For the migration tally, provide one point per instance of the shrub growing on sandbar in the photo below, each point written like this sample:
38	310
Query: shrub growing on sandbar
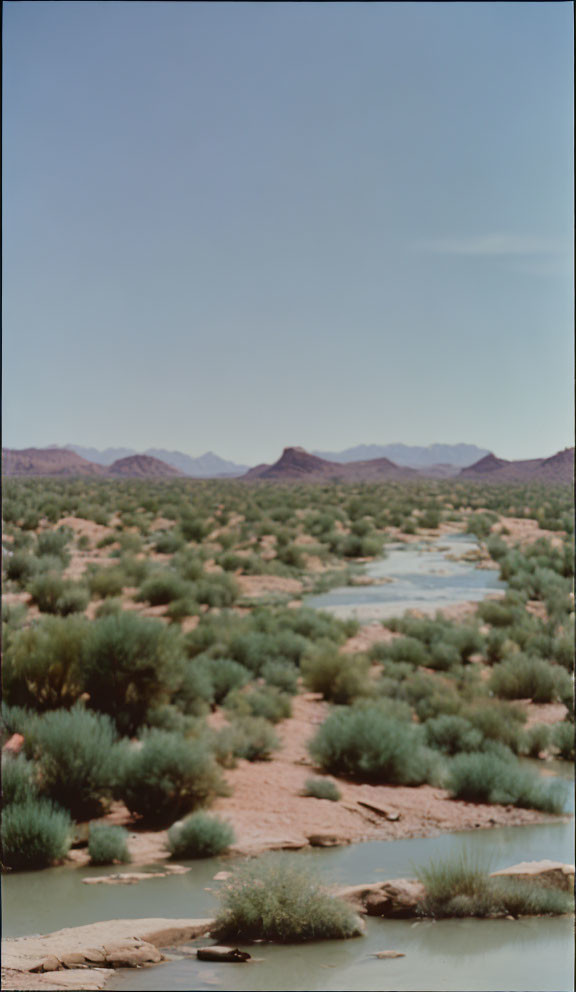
199	836
460	887
366	744
168	776
274	898
35	834
19	779
108	843
525	677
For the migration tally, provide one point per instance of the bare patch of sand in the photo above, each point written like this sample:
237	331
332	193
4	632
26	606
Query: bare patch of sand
261	585
524	531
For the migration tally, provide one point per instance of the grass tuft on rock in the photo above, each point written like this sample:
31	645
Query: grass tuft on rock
274	898
461	886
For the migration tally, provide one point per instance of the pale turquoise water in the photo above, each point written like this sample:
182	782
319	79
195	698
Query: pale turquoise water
420	577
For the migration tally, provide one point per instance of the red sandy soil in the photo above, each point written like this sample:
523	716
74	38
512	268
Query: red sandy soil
268	811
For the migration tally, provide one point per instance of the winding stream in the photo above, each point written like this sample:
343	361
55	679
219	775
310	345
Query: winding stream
530	955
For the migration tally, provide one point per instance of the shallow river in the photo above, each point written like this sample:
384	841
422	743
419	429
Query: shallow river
421	576
532	955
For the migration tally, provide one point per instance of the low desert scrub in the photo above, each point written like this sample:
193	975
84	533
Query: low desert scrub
168	776
53	594
76	751
35	834
452	734
223	674
19	780
322	788
536	740
274	898
108	844
163	587
563	740
43	664
525	677
489	777
282	675
199	836
249	737
266	702
105	582
340	678
366	744
461	887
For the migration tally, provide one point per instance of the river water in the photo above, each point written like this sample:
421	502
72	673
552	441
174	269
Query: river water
424	576
530	955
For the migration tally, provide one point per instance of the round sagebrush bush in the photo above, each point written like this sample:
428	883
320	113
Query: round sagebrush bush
525	677
451	734
339	677
43	663
35	834
366	744
131	664
563	740
199	836
108	844
282	675
19	779
275	898
77	754
163	587
322	788
224	674
267	702
168	776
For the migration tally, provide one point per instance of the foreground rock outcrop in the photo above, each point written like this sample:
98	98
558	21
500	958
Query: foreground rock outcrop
92	951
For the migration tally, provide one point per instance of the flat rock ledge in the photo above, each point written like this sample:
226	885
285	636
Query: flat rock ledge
398	898
83	957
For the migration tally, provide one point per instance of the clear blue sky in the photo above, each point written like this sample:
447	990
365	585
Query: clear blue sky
237	226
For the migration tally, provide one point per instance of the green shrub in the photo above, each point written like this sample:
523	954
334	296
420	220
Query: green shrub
365	744
43	664
130	665
322	788
19	780
35	834
452	734
72	599
563	740
223	674
461	887
274	898
489	778
525	677
339	677
20	567
497	721
268	703
108	844
77	754
168	542
248	737
216	590
282	675
53	542
162	588
105	582
46	590
407	649
167	777
199	836
536	740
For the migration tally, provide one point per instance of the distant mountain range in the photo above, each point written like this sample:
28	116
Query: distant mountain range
294	465
414	456
207	466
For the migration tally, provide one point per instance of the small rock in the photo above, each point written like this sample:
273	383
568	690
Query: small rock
221	876
218	953
326	840
389	954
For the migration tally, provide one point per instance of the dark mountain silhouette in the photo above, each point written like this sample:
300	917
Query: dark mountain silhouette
559	468
47	461
143	467
296	464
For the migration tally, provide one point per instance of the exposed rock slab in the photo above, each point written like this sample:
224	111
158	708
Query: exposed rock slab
109	944
552	874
